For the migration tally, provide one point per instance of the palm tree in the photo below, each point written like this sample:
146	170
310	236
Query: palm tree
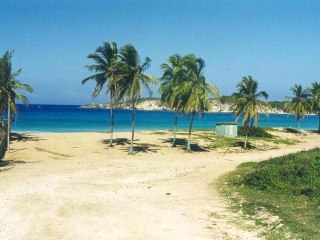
314	91
247	103
105	73
196	91
172	78
133	79
8	90
299	104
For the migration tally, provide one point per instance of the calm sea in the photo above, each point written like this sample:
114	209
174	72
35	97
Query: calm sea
62	118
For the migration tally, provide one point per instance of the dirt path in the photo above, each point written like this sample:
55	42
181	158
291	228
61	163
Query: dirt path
72	186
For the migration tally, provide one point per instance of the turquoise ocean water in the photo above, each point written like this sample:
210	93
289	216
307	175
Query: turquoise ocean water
66	118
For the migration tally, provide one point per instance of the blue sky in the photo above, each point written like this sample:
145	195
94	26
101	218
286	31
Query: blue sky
277	42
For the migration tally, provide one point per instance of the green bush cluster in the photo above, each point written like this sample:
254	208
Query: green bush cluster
297	174
253	132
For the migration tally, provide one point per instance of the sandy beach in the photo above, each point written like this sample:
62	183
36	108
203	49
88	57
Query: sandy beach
73	186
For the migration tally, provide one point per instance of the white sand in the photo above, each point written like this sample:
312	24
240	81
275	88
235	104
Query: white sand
72	186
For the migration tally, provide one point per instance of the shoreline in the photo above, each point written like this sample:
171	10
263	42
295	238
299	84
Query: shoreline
152	130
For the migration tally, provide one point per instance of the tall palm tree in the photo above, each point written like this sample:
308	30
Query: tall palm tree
170	88
8	90
314	91
133	79
105	73
299	104
196	91
248	103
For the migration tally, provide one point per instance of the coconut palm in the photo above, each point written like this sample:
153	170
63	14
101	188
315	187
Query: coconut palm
314	91
171	80
8	90
248	103
133	79
105	74
299	105
196	91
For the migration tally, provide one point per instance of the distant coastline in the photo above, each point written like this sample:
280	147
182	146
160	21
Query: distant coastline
154	104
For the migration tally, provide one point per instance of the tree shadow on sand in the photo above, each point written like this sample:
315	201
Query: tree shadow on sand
117	141
5	165
142	148
23	137
137	147
182	143
241	144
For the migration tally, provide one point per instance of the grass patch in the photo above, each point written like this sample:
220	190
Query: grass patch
276	140
281	195
211	141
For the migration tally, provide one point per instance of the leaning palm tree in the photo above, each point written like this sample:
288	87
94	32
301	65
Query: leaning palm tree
105	73
314	91
196	91
299	105
8	90
171	80
248	103
133	79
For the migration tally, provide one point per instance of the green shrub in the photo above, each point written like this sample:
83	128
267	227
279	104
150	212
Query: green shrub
288	187
297	174
253	132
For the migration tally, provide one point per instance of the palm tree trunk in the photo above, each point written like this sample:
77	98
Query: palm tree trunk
9	122
112	119
132	135
299	124
190	128
175	128
251	122
319	121
246	140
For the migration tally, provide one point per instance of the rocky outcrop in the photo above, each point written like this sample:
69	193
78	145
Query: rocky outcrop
154	104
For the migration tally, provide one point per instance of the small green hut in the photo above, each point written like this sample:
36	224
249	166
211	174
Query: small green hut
227	129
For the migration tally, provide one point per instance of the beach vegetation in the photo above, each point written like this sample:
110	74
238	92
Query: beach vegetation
10	87
281	195
184	88
248	104
196	91
105	75
279	105
299	104
260	140
171	94
133	79
253	132
227	99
